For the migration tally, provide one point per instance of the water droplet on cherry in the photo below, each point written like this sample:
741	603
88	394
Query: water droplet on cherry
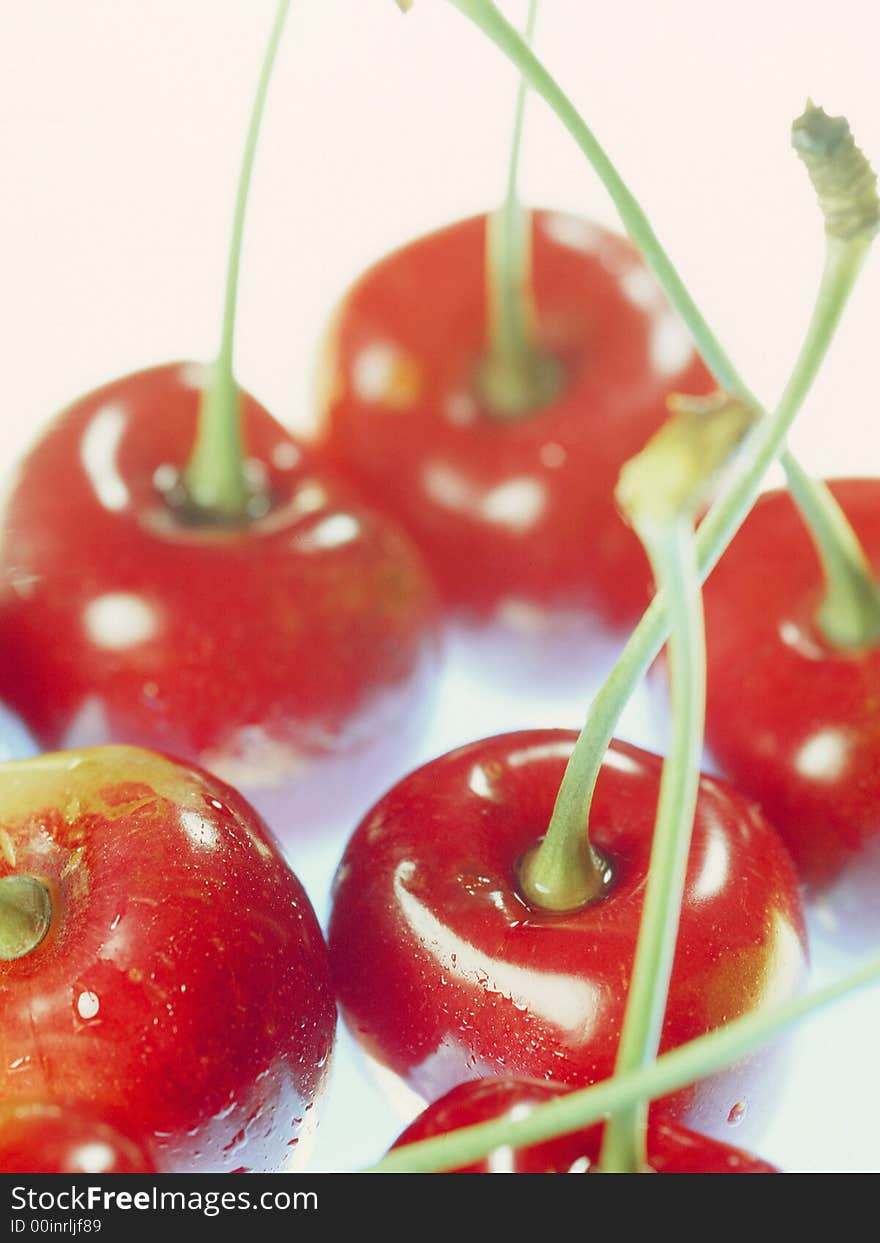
87	1005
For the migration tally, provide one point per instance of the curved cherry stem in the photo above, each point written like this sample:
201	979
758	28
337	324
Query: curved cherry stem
670	1072
560	849
673	555
550	868
850	614
215	475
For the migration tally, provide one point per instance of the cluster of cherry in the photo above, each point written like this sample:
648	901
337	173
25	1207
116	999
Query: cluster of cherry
181	577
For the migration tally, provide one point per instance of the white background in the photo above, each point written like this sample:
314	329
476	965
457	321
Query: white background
121	125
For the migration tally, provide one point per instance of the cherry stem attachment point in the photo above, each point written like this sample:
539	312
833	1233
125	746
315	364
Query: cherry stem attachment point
846	188
849	615
670	1072
25	915
215	476
565	876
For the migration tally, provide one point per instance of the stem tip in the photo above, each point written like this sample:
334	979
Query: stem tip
844	181
25	915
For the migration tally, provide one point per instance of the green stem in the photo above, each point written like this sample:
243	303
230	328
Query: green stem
484	14
669	1073
563	843
515	377
215	475
509	264
850	614
673	555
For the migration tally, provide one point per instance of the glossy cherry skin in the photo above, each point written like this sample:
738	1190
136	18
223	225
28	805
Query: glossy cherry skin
292	654
40	1138
792	720
516	517
182	988
445	973
671	1149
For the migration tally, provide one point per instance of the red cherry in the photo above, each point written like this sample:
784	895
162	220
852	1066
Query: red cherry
40	1138
296	648
445	973
182	987
671	1149
516	516
793	720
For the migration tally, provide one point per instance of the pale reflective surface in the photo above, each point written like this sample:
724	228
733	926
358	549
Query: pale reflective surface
15	741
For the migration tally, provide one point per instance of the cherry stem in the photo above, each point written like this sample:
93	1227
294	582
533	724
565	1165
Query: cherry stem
215	475
660	491
670	1072
515	377
672	550
850	613
571	812
562	848
25	915
509	262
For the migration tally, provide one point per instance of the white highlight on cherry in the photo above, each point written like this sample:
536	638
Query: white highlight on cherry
566	1001
800	641
194	375
120	620
552	455
199	830
541	751
823	757
309	498
87	1005
523	617
573	232
671	347
623	763
448	488
285	455
374	370
640	288
95	1158
480	783
98	449
517	504
502	1160
783	977
713	873
461	409
331	532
